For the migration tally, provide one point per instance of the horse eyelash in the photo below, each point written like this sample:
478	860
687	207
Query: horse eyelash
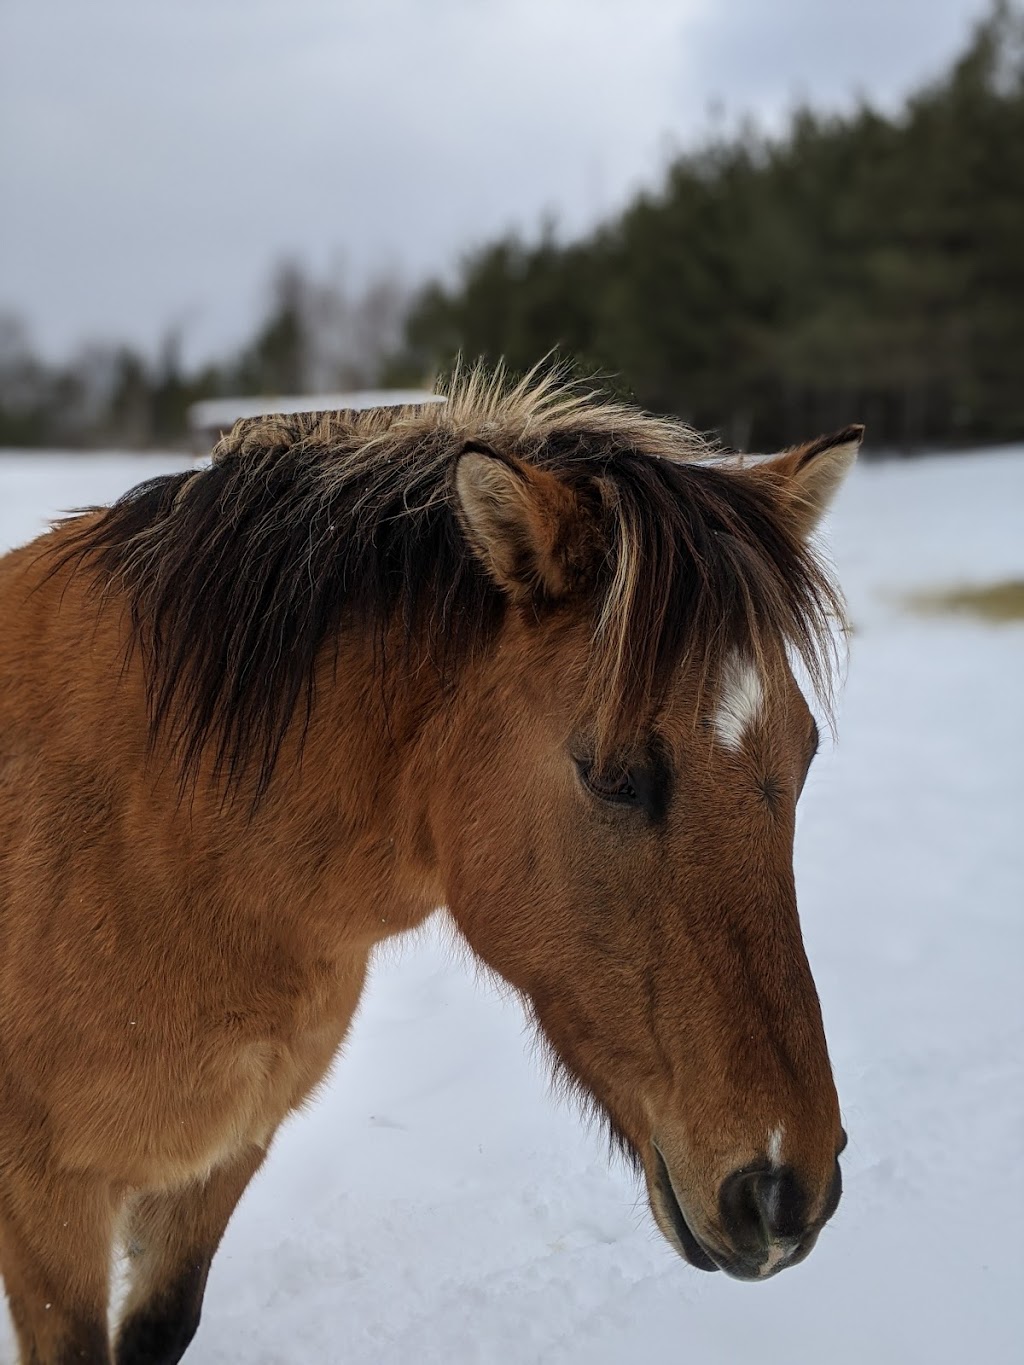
628	796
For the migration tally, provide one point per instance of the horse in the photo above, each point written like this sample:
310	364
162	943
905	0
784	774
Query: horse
530	655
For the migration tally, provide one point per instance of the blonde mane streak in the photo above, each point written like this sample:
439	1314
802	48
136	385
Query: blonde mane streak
480	404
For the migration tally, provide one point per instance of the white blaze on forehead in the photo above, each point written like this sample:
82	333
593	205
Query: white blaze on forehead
740	699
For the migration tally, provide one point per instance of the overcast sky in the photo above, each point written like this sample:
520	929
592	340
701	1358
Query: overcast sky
156	156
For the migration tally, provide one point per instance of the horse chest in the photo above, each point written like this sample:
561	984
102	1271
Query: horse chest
262	1062
209	1079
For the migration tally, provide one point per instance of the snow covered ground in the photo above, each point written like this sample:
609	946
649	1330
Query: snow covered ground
437	1205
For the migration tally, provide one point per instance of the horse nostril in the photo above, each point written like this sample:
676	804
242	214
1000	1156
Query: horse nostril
759	1207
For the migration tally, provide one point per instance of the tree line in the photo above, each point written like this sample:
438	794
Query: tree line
857	267
316	335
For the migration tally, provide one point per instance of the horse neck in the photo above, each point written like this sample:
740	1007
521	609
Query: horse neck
345	817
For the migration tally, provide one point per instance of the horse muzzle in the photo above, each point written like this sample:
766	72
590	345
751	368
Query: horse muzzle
760	1228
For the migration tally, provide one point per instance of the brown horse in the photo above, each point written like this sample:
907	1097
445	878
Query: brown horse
525	655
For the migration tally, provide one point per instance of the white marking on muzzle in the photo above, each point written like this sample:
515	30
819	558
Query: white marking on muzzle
780	1253
740	699
775	1137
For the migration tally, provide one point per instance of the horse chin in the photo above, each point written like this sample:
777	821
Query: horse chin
682	1235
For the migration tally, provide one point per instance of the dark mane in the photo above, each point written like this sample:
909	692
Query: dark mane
238	575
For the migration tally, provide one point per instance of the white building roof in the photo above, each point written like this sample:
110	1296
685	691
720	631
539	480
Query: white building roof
220	414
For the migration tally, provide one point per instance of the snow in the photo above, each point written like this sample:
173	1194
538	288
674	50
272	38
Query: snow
436	1204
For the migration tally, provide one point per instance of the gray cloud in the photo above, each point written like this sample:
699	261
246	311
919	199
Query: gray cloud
156	158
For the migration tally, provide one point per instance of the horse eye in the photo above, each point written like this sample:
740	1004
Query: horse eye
617	785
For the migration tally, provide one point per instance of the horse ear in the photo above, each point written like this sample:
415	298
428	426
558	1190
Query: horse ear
810	474
521	522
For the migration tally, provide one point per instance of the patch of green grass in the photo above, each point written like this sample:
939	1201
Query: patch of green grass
995	602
